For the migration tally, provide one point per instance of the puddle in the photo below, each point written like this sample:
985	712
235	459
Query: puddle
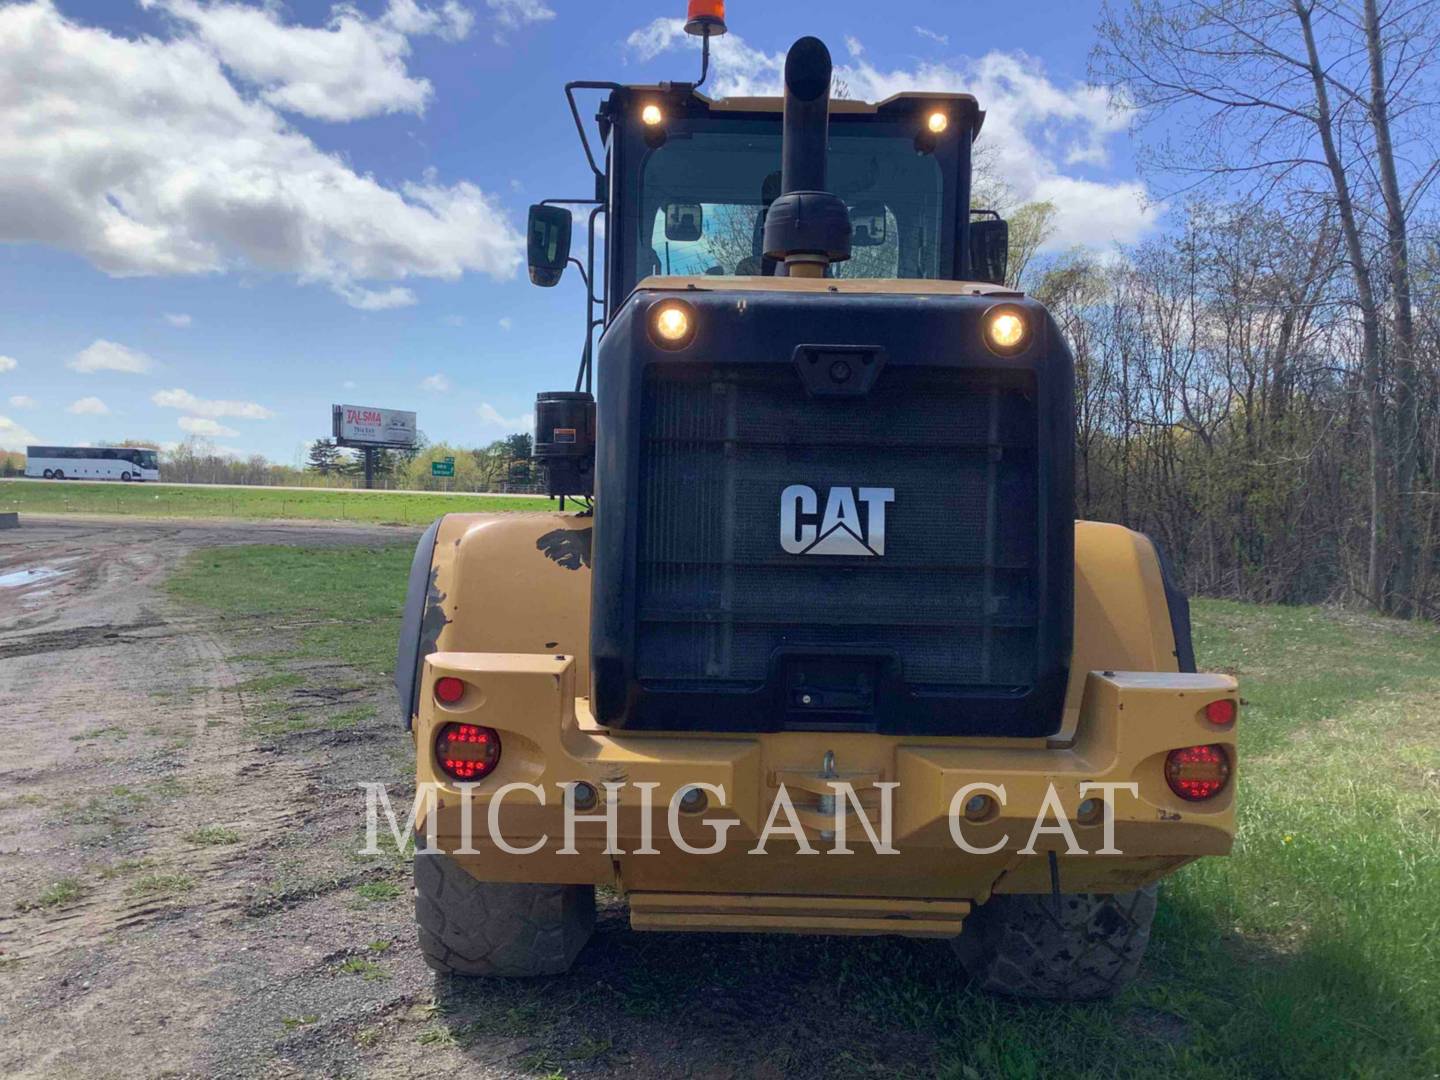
33	576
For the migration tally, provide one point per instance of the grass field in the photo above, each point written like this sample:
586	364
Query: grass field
320	504
1313	951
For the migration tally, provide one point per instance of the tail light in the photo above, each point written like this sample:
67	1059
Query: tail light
1221	711
449	690
466	751
1197	772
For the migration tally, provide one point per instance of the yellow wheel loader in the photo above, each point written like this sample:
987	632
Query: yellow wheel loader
817	645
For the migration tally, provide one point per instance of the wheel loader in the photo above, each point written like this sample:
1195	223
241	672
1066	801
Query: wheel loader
816	646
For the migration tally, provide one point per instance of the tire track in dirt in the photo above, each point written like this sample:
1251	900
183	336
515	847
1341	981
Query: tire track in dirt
125	733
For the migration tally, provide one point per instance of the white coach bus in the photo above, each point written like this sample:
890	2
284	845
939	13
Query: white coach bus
92	463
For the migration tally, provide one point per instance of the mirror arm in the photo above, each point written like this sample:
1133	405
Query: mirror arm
580	268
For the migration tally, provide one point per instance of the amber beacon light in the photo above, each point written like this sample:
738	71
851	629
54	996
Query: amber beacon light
705	18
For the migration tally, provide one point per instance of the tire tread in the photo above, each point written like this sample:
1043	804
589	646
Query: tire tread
472	927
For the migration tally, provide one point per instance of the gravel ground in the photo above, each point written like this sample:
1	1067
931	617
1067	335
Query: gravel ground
172	951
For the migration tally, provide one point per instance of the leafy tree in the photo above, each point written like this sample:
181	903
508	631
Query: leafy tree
324	457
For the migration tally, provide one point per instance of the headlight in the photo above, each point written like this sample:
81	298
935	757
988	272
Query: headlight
672	324
651	115
1007	329
937	122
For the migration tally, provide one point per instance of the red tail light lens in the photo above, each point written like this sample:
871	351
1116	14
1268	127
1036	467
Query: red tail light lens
1197	772
449	690
467	752
1222	711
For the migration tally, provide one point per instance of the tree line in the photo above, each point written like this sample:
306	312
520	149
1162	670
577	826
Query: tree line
503	465
1260	388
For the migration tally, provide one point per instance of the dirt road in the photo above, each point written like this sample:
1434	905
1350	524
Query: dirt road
157	916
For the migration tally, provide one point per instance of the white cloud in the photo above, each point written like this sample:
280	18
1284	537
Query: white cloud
853	46
8	363
182	321
939	39
491	416
188	402
435	384
142	156
397	296
13	436
351	68
200	425
516	14
102	355
506	323
1034	128
88	406
23	401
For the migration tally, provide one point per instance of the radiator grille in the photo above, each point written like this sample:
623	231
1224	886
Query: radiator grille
954	596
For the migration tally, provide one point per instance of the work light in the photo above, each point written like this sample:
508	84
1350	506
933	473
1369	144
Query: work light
672	324
1007	329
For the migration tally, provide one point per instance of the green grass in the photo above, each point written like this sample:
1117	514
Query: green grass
344	602
1312	951
378	890
162	885
62	892
367	969
212	836
372	507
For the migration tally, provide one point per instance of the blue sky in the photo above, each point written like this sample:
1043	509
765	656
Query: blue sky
217	218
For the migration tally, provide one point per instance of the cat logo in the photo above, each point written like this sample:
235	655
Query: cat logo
840	530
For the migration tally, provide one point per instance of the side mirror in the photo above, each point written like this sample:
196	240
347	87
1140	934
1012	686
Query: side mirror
989	249
548	243
683	221
868	224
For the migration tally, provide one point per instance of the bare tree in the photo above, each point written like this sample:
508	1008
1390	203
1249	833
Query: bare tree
1295	103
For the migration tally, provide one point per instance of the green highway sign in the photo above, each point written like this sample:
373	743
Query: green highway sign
443	468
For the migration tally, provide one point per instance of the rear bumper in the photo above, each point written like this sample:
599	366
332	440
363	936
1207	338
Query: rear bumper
924	882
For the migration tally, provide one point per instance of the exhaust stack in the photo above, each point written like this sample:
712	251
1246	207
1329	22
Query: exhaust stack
807	228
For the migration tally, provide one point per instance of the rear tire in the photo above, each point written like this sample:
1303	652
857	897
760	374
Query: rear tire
1018	945
470	927
49	474
59	474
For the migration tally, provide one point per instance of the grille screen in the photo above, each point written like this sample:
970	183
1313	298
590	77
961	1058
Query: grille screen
954	596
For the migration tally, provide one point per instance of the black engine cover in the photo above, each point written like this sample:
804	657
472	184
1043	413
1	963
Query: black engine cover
832	512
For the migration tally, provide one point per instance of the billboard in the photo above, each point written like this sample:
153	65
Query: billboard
362	425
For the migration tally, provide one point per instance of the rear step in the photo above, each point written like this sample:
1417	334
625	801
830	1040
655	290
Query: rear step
749	913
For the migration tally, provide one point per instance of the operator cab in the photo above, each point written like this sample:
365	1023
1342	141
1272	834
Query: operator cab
695	178
685	184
